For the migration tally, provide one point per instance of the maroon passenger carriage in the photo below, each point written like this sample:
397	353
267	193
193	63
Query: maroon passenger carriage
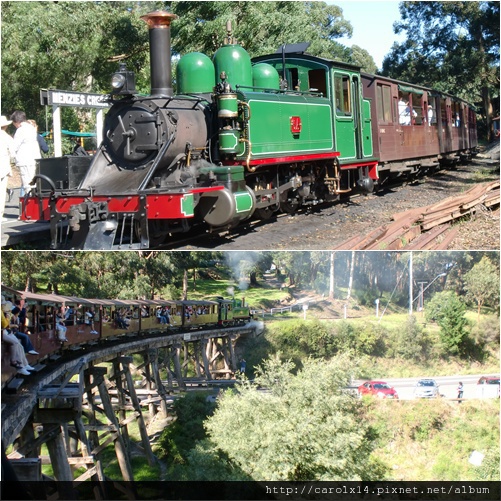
441	129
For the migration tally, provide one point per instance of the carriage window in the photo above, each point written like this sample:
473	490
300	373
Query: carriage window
431	111
343	98
417	110
456	115
384	103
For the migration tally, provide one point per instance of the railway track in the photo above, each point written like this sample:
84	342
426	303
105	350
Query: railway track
428	228
339	225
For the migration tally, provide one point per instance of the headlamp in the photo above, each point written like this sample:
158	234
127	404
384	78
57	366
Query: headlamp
122	82
117	81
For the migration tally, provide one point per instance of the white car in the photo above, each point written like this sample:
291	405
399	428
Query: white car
426	388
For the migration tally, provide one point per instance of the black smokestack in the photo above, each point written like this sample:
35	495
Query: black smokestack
160	53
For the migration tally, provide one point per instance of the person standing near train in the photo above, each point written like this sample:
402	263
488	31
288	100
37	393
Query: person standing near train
42	144
6	155
26	149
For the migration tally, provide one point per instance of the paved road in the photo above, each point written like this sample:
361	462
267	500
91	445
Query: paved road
447	386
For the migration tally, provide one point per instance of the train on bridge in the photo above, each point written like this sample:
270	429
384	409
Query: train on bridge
241	138
55	323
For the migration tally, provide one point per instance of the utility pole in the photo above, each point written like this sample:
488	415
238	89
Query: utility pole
411	295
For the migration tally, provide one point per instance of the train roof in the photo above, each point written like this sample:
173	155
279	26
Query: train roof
73	300
307	57
199	302
416	88
404	86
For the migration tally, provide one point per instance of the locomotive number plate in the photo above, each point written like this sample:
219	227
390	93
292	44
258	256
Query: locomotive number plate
296	125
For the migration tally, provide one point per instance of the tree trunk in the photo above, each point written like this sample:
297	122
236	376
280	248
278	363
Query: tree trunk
352	267
331	277
185	285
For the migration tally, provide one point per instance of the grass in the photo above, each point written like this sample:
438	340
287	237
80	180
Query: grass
432	440
264	296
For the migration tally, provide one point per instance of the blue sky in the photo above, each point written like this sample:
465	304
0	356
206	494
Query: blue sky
372	23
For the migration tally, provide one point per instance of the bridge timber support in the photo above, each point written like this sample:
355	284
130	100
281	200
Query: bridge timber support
83	403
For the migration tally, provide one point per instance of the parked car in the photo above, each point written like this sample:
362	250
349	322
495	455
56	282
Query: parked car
379	389
488	387
426	388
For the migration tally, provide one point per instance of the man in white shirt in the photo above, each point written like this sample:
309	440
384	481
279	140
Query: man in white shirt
6	154
26	149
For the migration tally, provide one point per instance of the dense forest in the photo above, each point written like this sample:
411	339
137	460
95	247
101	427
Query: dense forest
365	276
452	46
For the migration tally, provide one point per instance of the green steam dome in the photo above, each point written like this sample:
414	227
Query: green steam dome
195	74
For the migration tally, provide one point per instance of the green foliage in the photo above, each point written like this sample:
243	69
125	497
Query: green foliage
409	341
208	463
489	470
298	339
487	331
181	436
482	283
261	27
451	46
56	45
431	440
448	311
303	427
367	296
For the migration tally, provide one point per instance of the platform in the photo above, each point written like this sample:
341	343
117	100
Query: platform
14	232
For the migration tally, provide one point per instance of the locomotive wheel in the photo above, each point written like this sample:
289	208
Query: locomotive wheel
265	213
290	206
156	232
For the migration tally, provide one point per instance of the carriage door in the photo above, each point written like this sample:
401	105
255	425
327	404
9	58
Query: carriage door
348	115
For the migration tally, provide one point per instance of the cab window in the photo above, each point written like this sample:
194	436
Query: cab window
317	81
342	95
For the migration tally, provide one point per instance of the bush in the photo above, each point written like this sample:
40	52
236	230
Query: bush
181	436
367	296
298	339
448	311
410	342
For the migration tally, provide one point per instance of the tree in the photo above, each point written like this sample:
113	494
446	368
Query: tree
261	27
448	311
71	46
304	428
450	46
180	437
482	284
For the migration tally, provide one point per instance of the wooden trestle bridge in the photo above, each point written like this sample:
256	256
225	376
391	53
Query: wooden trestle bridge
63	405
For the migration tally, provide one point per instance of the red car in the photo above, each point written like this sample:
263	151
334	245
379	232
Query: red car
380	389
488	387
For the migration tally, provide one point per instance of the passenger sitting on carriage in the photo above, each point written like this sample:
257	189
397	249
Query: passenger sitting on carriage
16	352
69	316
120	322
24	339
162	317
61	329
